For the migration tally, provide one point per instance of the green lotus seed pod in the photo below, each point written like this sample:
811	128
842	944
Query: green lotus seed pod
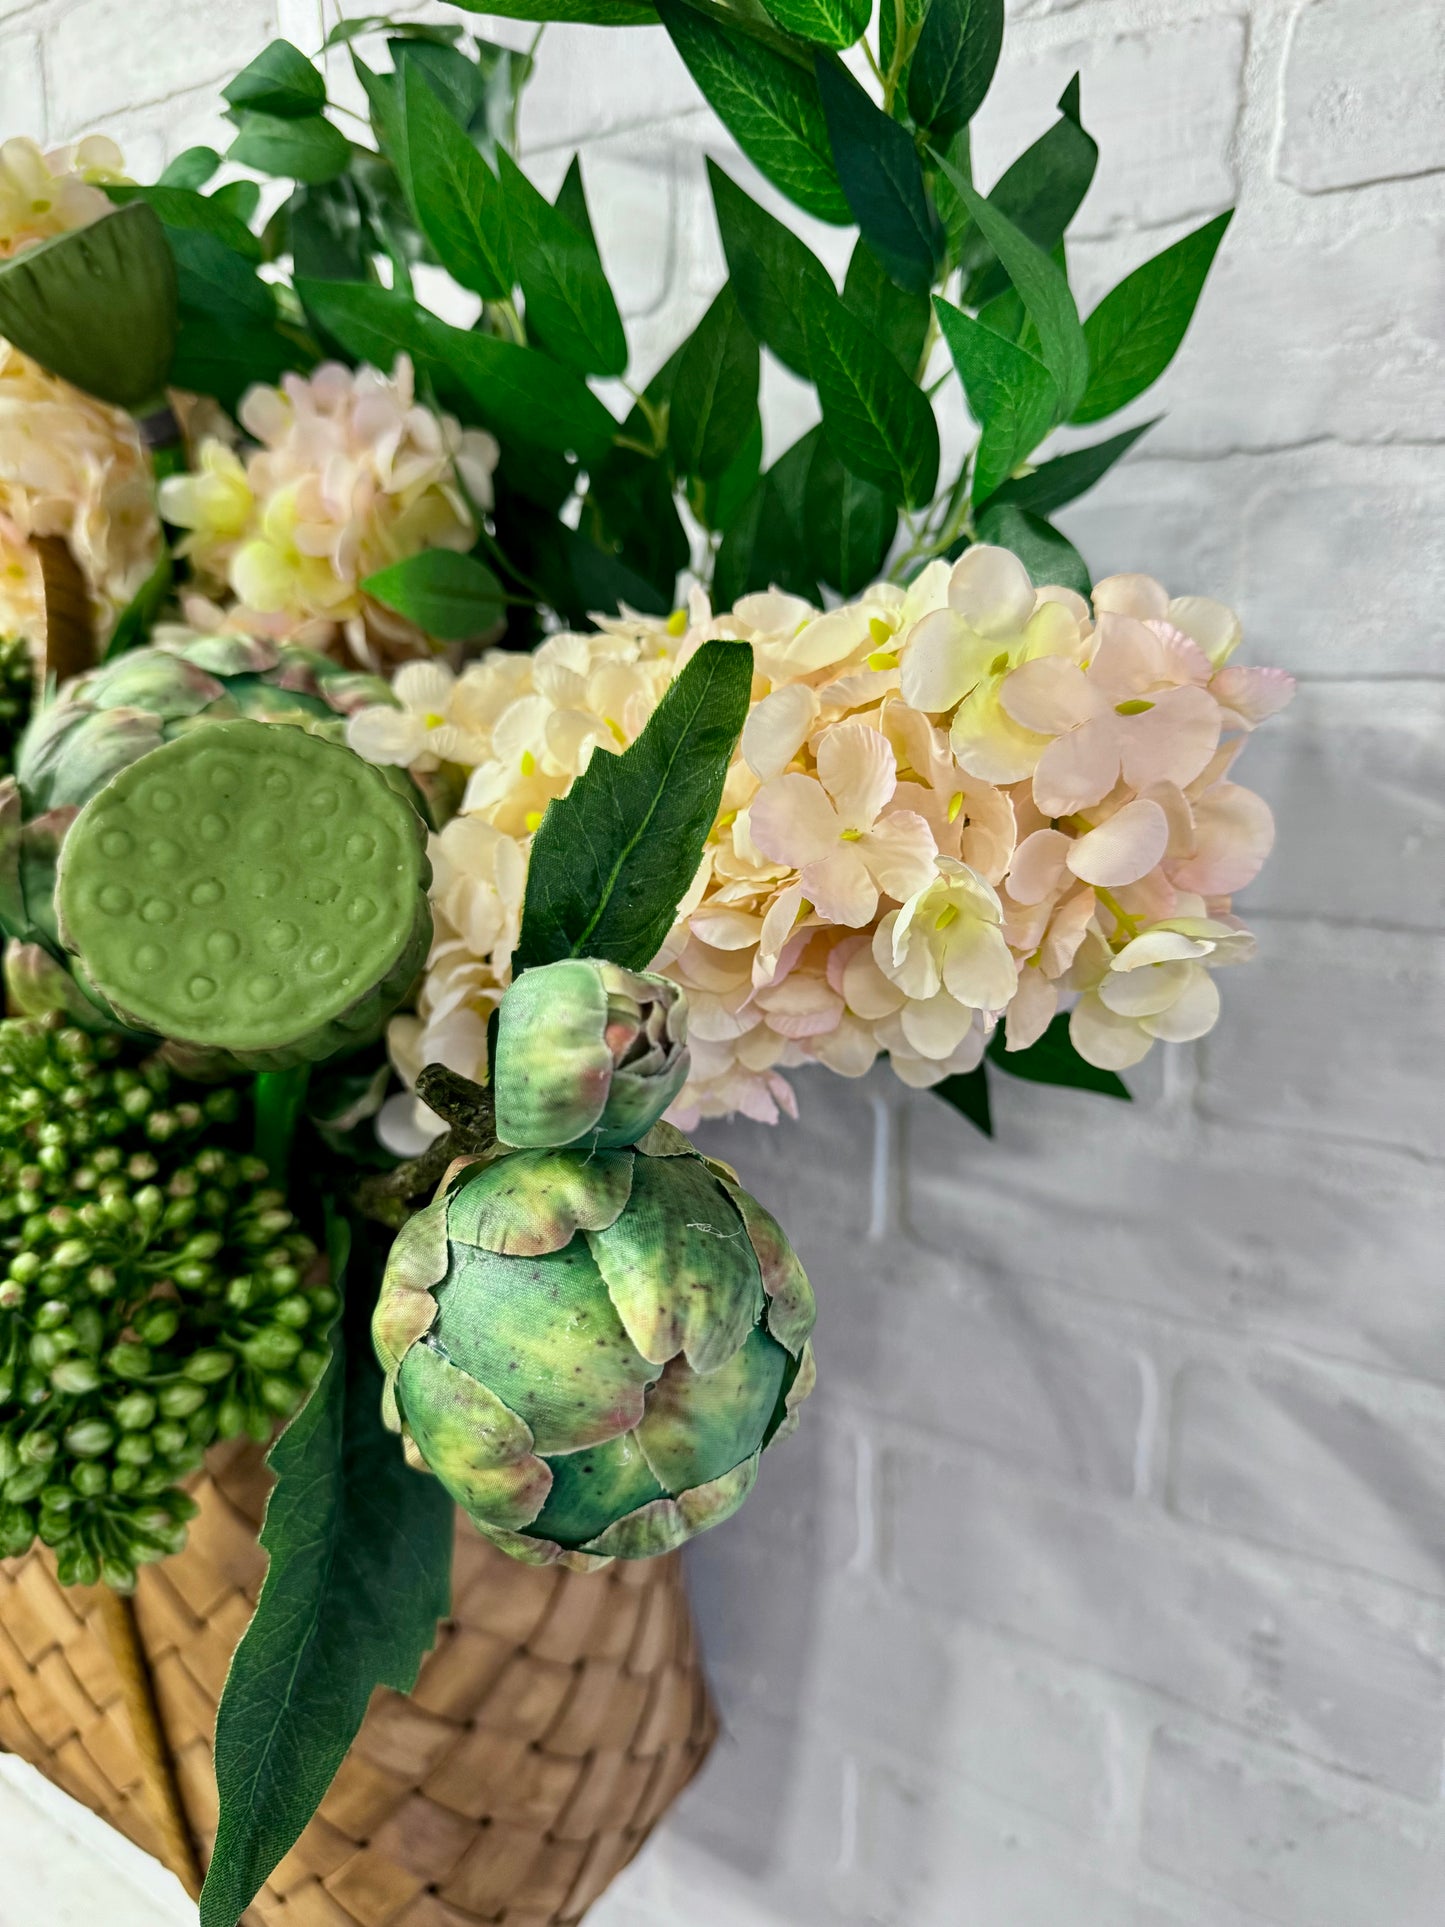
592	1349
198	910
588	1054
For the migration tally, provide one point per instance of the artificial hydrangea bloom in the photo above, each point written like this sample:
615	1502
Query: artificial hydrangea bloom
42	195
966	803
349	474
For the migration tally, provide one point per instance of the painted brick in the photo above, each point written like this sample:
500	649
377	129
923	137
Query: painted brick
102	59
1252	1832
596	80
1334	1464
1363	82
22	87
1335	1674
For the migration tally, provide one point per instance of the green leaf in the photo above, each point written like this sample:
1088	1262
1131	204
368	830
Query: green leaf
896	316
879	423
879	168
768	104
773	274
298	150
346	31
571	200
368	323
182	207
833	23
967	1092
570	308
1135	331
450	597
616	855
193	168
1067	477
1048	556
1042	288
241	198
717	504
229	336
1040	193
850	524
457	200
523	395
630	508
604	13
1011	395
953	63
360	1574
767	544
140	615
457	81
715	392
280	81
1053	1060
913	16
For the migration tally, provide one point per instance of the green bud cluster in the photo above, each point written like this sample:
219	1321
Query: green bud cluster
17	696
153	1298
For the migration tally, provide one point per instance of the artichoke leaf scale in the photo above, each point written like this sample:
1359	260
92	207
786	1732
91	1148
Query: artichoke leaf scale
479	1449
591	1489
699	1426
529	1203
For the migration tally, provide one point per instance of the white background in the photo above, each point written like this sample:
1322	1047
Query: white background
1105	1584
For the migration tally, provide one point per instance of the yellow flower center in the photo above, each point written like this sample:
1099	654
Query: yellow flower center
617	730
955	806
41	207
433	720
533	821
1136	707
726	821
879	630
1000	664
883	659
852	836
677	623
529	763
947	915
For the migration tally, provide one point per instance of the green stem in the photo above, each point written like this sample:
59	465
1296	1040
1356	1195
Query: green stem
900	53
279	1098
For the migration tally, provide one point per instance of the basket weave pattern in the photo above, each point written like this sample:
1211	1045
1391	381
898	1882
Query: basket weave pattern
558	1717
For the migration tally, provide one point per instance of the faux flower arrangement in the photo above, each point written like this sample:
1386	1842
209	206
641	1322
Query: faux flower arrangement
441	795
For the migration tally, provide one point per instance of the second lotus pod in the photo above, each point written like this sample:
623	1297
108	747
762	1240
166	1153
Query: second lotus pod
593	1349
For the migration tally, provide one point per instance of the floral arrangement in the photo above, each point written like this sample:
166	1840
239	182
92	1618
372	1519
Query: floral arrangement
427	796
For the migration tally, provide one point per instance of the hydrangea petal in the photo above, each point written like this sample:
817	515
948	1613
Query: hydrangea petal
1108	1042
1173	740
1124	848
1079	769
992	591
856	767
1193	1014
944	660
1234	833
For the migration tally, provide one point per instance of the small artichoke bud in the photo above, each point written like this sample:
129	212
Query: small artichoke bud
588	1054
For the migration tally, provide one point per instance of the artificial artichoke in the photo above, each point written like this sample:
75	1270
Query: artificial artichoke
588	1054
592	1349
154	1296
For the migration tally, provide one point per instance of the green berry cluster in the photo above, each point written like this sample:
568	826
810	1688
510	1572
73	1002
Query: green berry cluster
153	1298
17	696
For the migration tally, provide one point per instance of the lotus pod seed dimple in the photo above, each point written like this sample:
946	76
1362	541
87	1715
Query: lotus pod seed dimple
250	888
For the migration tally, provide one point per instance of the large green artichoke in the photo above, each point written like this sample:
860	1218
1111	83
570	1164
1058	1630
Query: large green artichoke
592	1349
588	1054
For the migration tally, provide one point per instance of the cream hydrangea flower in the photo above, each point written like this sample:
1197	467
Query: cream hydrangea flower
1156	987
42	195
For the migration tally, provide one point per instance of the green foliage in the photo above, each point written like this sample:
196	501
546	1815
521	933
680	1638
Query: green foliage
360	1574
615	856
1135	331
1012	396
1040	193
849	524
832	23
882	179
1053	1060
879	424
608	13
450	597
1047	555
281	82
767	544
182	207
17	696
953	63
774	275
715	392
1067	477
191	168
898	317
457	200
967	1092
570	308
300	150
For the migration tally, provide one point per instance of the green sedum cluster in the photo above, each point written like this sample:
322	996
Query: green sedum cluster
153	1298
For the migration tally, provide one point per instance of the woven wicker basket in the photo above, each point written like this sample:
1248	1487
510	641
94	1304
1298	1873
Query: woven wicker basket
556	1720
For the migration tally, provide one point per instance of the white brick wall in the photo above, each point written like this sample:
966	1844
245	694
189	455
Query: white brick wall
1105	1586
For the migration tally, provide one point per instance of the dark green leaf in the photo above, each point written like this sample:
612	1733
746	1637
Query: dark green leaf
953	63
956	219
346	31
193	168
718	503
1053	1060
570	309
523	395
458	83
879	424
571	200
967	1092
850	524
605	13
1135	331
602	582
368	323
1042	288
769	105
450	597
458	201
279	81
879	168
715	393
182	207
630	508
897	317
1048	556
299	150
833	23
325	232
773	273
767	544
1011	395
616	855
1067	477
139	616
360	1573
229	336
241	198
1040	193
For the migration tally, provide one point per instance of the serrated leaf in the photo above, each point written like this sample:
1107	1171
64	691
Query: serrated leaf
1067	477
570	308
773	273
715	391
832	23
297	150
967	1092
953	63
1011	395
1040	193
1053	1060
850	524
768	104
879	168
880	425
457	200
1048	556
359	1575
279	81
897	317
767	544
450	597
617	854
1042	287
1135	331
